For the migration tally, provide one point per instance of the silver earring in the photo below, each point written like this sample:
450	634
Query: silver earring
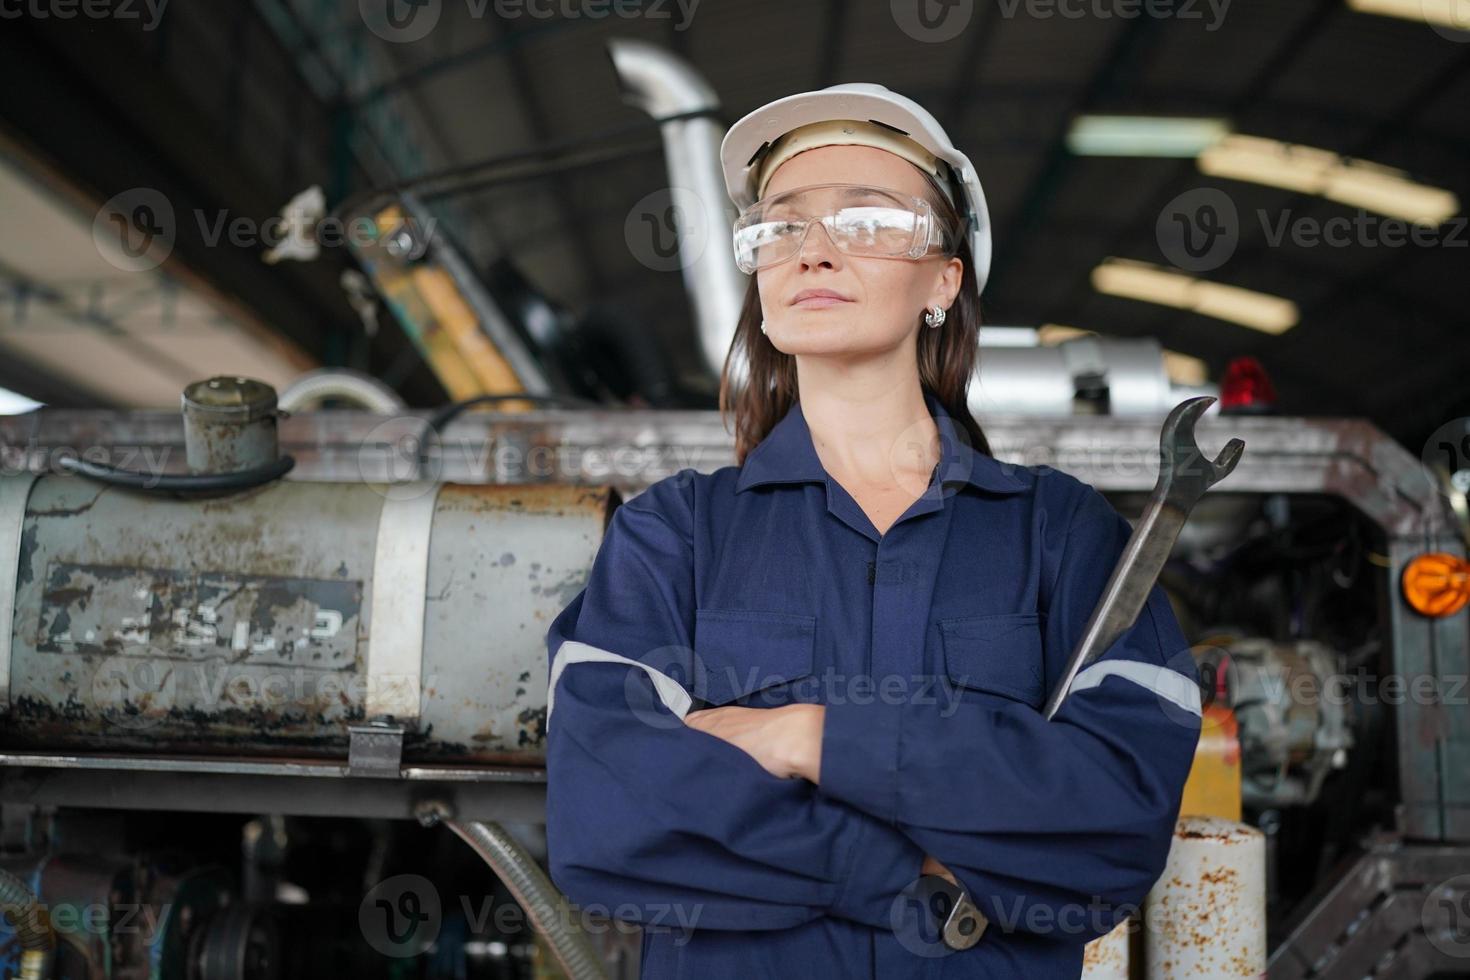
763	326
935	316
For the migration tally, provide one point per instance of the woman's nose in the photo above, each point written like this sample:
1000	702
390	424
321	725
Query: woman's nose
817	247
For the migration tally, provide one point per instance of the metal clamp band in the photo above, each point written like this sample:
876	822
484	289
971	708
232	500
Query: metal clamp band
15	492
395	660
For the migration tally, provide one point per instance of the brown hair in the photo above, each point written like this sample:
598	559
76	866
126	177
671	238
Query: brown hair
946	356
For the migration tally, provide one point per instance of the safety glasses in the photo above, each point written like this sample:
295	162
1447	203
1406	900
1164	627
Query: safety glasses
860	220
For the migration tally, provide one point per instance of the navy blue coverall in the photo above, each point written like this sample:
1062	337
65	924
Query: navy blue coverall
933	647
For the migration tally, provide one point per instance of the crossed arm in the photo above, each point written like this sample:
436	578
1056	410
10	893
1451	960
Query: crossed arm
740	818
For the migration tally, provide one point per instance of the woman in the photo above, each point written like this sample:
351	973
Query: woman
798	692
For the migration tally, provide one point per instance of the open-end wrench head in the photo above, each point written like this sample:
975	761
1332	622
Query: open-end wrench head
1185	473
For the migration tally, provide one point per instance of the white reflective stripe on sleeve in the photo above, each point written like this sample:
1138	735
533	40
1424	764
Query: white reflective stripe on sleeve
669	691
1168	684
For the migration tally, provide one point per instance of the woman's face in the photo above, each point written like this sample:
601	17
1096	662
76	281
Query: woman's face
883	299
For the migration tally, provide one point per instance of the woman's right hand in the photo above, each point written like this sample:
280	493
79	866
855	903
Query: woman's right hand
933	867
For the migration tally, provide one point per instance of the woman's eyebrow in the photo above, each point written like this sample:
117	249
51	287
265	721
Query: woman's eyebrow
856	192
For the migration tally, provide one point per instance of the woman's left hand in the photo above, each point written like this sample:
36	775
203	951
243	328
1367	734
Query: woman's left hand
786	741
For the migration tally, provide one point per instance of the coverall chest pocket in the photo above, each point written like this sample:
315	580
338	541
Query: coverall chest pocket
741	652
1000	653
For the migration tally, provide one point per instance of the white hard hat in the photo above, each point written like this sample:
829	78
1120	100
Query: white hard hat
747	150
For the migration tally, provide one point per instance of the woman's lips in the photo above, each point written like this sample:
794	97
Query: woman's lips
818	298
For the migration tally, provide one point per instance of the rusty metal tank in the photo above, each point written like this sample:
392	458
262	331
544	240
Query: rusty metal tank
269	621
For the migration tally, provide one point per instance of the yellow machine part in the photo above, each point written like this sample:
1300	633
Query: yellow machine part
446	329
1213	787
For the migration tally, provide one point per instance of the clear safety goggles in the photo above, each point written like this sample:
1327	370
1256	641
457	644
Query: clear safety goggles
860	220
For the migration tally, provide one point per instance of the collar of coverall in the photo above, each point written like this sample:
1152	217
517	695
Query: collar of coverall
786	455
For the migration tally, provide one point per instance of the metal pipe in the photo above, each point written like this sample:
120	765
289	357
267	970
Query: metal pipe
361	390
1206	914
529	885
662	84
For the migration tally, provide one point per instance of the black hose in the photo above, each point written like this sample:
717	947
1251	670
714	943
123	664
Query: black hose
448	413
178	482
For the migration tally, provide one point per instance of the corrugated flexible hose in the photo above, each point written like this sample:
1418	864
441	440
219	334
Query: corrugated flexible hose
32	927
529	885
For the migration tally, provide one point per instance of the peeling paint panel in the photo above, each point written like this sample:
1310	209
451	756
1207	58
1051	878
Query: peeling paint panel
158	612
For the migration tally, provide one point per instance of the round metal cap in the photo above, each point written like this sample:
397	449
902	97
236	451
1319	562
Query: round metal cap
230	398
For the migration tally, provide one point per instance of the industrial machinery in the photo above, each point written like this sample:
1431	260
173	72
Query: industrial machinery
177	656
251	661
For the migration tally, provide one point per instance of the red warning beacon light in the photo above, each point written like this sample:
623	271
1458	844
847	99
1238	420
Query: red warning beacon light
1245	389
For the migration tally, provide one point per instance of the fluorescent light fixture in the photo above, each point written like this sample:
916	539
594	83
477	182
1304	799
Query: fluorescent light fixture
13	404
1185	370
1154	284
999	336
1308	170
1051	334
1454	14
1143	136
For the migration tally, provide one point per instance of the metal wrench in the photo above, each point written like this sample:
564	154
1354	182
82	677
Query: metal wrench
1184	475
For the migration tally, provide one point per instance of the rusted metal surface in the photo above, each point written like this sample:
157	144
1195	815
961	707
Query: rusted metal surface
240	625
1206	915
1393	910
229	425
1106	958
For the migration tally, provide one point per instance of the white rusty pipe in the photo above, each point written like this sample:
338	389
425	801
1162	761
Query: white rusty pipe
1206	915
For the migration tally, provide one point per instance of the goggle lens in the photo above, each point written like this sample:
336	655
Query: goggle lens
860	220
